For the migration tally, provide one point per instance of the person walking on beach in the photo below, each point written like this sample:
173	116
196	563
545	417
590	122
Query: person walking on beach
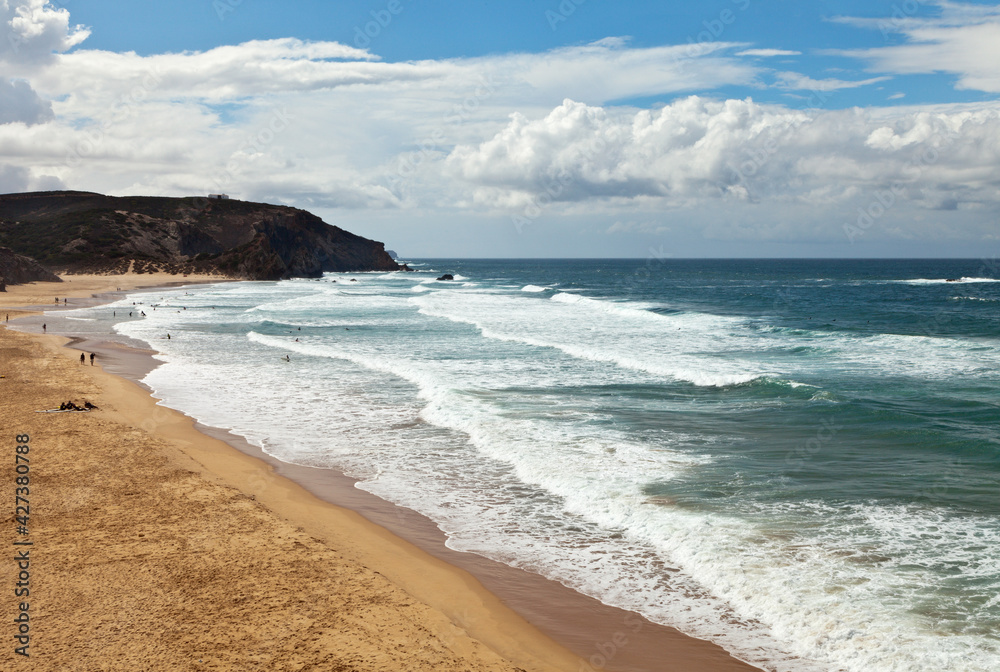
91	359
43	328
82	359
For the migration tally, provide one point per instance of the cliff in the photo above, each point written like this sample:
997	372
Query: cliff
82	232
16	269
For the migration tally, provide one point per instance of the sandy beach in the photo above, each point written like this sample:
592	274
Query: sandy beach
157	546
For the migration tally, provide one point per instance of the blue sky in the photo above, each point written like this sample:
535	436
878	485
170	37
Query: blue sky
435	29
723	128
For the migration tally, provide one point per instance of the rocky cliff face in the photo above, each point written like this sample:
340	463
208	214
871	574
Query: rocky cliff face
16	269
85	232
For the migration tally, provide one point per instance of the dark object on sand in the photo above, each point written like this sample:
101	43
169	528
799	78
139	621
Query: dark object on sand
92	355
447	276
83	358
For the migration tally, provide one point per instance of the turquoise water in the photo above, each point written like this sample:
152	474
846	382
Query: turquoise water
796	459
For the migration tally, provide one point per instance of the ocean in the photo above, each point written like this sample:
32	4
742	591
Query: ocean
796	459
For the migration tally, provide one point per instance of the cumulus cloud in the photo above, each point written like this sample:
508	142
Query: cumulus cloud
19	102
32	30
368	133
698	150
964	40
327	126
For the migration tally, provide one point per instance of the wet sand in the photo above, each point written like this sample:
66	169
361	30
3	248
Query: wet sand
507	613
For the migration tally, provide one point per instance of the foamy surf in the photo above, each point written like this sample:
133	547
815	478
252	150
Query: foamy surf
799	470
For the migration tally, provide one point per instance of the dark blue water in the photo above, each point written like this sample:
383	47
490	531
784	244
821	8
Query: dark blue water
798	459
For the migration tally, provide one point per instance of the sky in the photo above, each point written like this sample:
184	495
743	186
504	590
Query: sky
529	128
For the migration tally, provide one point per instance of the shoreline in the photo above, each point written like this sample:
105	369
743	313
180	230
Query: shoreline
553	623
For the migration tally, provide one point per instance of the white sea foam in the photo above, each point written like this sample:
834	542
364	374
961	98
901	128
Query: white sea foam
945	281
974	298
643	341
432	416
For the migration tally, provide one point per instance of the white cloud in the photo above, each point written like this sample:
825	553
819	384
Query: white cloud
366	133
228	73
767	53
32	30
20	103
596	73
325	126
964	40
794	81
698	150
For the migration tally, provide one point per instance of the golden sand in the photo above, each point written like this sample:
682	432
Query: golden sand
157	547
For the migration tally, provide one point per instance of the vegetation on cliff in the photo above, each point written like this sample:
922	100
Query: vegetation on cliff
16	269
82	232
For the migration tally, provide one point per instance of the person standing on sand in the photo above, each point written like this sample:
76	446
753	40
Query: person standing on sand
82	359
43	328
91	359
